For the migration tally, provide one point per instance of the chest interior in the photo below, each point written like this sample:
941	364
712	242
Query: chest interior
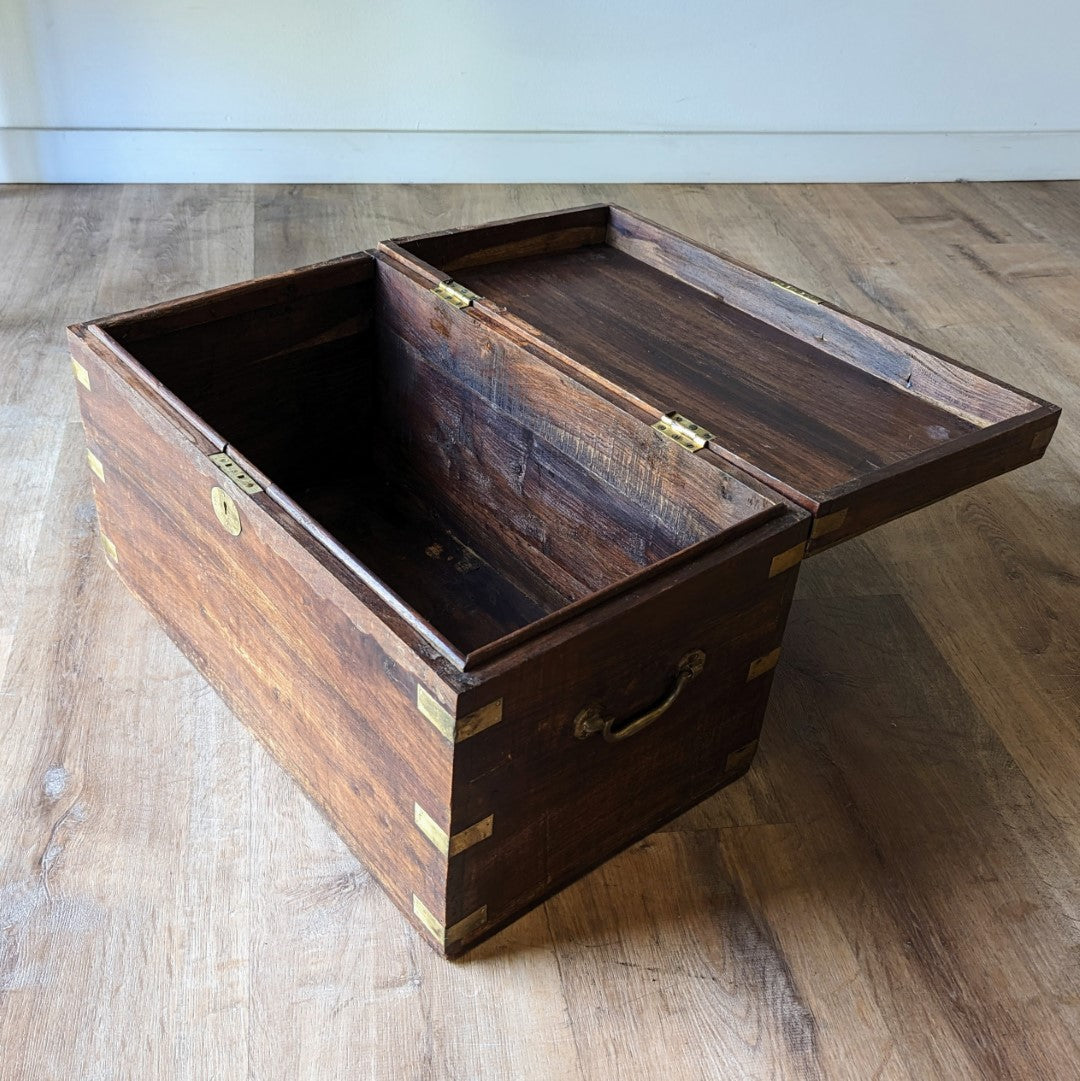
491	494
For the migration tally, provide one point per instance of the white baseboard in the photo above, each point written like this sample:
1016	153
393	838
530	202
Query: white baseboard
30	155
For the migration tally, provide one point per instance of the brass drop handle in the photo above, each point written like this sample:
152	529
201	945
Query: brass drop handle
591	719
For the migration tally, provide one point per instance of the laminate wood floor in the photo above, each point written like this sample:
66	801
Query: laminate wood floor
892	892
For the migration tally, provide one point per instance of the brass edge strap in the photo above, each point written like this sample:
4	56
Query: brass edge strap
457	843
763	665
788	559
455	931
456	730
740	756
110	548
94	462
81	374
796	290
1042	438
828	524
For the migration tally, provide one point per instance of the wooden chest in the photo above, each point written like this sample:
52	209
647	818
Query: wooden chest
433	521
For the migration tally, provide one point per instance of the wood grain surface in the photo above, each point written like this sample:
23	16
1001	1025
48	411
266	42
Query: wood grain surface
289	639
856	425
891	892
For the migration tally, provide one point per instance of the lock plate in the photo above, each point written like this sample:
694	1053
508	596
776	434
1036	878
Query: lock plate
235	474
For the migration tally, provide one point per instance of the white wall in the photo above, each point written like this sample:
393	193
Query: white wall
359	90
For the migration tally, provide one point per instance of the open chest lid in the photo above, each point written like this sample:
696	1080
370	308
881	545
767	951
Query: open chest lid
850	421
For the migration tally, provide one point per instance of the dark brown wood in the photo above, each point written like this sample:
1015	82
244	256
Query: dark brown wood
306	663
765	396
473	446
262	294
905	364
563	805
469	540
857	425
485	493
280	367
541	476
534	234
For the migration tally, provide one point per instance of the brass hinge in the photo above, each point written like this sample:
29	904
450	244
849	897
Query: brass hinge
796	290
455	293
683	431
235	474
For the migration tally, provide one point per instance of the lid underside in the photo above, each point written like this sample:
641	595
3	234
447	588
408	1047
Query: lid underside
796	413
833	413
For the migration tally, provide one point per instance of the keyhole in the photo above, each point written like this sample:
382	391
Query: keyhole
226	511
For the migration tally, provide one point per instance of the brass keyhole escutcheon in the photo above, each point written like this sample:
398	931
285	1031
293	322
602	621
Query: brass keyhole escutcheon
228	514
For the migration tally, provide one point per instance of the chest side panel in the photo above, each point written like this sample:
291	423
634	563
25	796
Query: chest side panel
291	650
551	805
